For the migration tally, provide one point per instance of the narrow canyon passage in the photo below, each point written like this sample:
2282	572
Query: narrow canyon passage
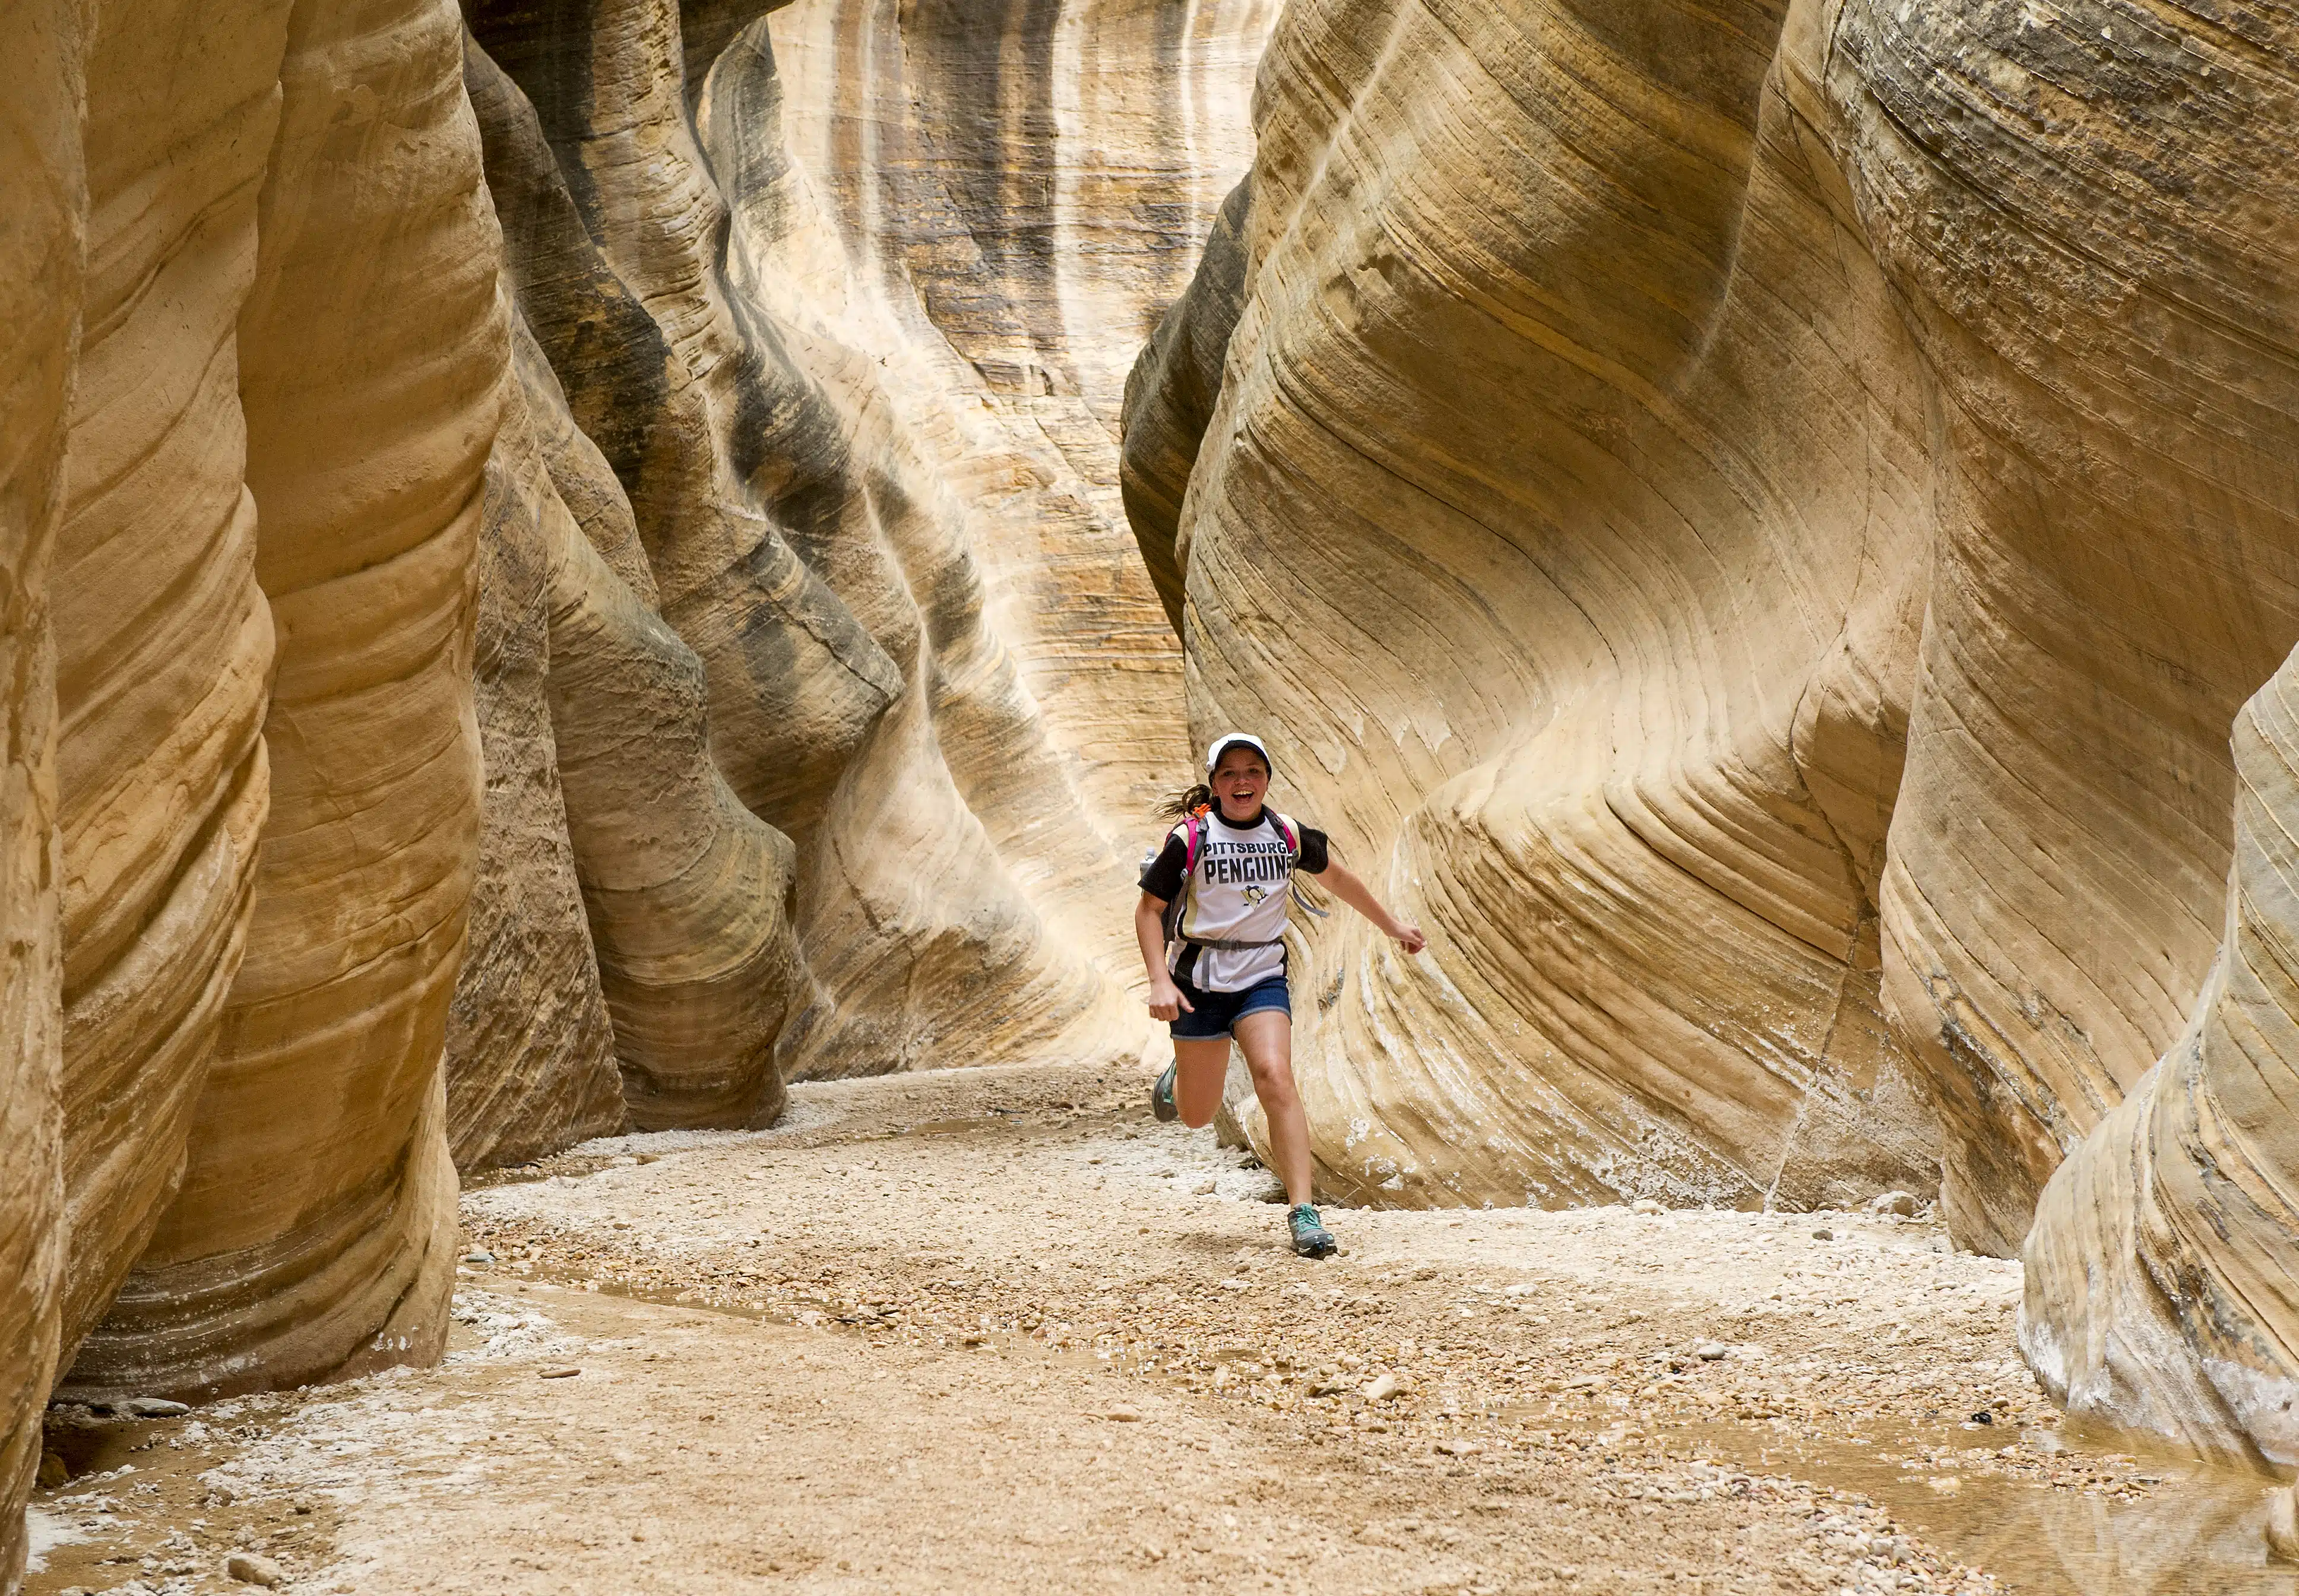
999	1330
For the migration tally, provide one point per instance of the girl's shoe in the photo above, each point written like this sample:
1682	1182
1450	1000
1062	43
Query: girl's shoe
1310	1239
1161	1095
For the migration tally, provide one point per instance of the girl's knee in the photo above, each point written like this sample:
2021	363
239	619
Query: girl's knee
1196	1118
1274	1088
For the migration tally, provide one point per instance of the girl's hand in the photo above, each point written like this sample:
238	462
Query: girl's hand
1409	937
1167	1003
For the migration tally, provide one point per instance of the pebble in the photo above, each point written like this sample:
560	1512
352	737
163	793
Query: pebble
1381	1387
152	1408
249	1569
557	1374
2282	1526
1646	1205
1206	1187
1902	1203
1122	1415
1712	1351
1823	1235
478	1255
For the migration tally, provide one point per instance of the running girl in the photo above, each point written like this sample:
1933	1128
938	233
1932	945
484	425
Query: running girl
1211	922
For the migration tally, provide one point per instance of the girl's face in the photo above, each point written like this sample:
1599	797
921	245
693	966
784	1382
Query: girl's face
1239	781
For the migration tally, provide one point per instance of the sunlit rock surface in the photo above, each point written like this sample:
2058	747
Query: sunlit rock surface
1564	513
43	188
1754	527
934	660
2160	1292
522	617
312	1232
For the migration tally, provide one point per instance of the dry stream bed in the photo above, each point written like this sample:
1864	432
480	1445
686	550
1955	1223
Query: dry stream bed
999	1331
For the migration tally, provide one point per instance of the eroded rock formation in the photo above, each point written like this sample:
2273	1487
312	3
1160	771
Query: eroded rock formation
42	186
905	577
1756	525
2160	1295
1564	508
313	1230
494	566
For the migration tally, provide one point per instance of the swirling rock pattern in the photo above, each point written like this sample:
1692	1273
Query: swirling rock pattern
163	638
2160	1295
44	189
1559	508
628	664
2114	571
1741	474
684	889
302	1245
905	603
1756	527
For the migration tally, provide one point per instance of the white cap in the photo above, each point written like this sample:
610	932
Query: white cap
1229	740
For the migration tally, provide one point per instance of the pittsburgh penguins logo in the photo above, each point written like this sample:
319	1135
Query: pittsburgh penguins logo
1254	895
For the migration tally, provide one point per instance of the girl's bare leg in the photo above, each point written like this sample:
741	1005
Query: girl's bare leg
1268	1039
1200	1068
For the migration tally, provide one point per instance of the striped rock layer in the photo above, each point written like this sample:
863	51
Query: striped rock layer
1754	524
534	601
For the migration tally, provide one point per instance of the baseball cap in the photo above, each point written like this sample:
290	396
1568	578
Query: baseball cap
1229	740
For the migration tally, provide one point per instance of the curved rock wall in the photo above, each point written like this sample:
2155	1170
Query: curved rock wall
631	663
530	1053
994	203
1563	511
1754	527
2113	575
163	639
44	189
371	346
907	606
2160	1295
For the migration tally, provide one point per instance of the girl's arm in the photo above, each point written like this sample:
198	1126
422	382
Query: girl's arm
1358	896
1166	999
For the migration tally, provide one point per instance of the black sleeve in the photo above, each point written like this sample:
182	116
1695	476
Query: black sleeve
1161	878
1316	852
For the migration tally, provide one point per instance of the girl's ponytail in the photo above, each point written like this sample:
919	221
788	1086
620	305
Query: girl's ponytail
1186	802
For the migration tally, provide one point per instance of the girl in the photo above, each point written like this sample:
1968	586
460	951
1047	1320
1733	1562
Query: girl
1218	964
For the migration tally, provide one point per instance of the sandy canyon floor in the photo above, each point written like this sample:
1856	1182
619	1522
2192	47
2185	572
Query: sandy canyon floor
999	1331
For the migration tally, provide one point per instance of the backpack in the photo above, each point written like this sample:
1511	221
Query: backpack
1193	836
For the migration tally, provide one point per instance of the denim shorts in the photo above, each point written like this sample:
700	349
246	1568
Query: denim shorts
1211	1014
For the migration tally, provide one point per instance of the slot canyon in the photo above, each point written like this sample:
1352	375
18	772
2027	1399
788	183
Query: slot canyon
598	600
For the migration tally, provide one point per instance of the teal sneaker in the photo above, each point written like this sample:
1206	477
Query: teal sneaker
1161	1095
1310	1239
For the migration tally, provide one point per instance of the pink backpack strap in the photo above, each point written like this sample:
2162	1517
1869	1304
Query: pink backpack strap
1290	832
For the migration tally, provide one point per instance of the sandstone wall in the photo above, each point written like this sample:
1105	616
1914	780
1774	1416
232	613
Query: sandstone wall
317	1240
42	186
1754	526
2160	1295
933	661
2114	574
163	639
530	1054
491	572
1564	513
1610	490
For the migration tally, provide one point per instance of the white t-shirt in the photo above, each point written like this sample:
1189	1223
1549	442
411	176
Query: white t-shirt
1238	893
